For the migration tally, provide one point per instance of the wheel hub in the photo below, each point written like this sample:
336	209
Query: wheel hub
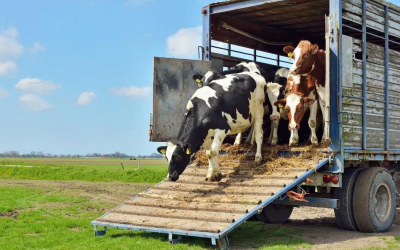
383	202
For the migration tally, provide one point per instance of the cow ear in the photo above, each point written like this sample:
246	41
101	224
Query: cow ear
280	103
162	150
309	101
314	48
288	49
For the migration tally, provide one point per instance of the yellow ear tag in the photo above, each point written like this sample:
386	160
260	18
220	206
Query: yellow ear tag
280	106
163	151
198	80
187	151
290	55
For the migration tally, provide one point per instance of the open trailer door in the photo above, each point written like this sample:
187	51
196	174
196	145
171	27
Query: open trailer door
173	86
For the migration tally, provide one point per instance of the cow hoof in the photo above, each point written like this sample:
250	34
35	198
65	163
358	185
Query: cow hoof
274	142
258	159
314	140
237	143
293	143
215	178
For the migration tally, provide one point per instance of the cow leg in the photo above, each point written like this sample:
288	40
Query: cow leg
238	139
322	106
214	173
258	129
273	136
250	137
312	122
294	138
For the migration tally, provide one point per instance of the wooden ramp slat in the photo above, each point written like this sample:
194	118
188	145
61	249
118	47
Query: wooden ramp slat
203	197
157	222
178	214
202	172
216	188
267	181
195	206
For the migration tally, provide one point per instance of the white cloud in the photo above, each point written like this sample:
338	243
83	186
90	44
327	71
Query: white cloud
36	85
134	92
34	103
135	3
7	67
185	42
37	47
85	98
3	93
10	50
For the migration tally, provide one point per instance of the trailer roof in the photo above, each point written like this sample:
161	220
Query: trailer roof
383	2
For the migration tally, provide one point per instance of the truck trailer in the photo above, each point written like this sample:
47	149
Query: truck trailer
357	172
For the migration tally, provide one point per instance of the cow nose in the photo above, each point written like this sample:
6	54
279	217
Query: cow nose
173	178
293	128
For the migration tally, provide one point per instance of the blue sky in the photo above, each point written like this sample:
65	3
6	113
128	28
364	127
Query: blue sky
76	75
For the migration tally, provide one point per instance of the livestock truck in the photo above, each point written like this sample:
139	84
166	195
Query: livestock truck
357	177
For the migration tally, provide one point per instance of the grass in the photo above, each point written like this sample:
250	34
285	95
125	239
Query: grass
46	219
100	170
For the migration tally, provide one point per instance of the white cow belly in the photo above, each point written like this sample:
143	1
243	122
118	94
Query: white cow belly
240	124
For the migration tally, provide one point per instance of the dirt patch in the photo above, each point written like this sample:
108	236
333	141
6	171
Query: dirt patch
13	215
113	193
317	226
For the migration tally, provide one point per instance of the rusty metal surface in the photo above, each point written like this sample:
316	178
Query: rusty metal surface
172	88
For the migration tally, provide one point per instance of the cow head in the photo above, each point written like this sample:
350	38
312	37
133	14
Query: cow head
305	55
207	78
178	158
281	77
294	104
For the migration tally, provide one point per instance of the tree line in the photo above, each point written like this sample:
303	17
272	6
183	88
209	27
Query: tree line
34	154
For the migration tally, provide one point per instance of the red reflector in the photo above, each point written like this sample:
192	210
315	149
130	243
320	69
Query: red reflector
327	178
335	179
204	11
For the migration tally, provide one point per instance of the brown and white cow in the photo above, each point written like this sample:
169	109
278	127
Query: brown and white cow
310	60
300	96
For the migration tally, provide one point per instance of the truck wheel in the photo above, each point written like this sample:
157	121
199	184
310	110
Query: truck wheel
374	200
344	214
275	213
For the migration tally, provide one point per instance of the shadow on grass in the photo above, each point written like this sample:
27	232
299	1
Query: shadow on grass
248	235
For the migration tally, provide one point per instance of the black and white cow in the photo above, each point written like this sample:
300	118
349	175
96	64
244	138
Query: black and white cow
275	77
225	106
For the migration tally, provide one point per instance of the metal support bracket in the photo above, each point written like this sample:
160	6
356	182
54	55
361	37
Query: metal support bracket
99	232
174	241
223	243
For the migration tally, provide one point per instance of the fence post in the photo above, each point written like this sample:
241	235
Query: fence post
138	164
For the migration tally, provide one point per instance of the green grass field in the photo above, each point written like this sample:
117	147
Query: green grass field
44	219
103	170
51	218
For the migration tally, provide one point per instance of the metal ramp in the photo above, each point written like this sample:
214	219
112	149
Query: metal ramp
194	207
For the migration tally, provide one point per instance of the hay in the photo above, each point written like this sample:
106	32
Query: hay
243	157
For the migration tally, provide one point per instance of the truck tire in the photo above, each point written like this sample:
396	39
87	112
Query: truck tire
344	214
374	200
275	213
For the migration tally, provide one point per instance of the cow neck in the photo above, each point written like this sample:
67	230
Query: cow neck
192	135
318	72
299	88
